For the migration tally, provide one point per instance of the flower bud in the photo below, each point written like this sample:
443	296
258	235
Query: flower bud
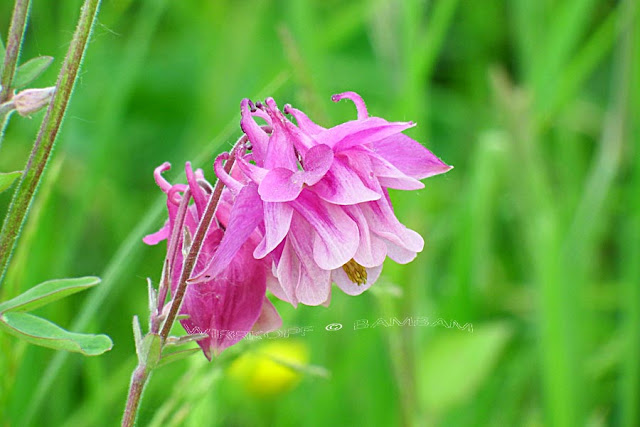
30	101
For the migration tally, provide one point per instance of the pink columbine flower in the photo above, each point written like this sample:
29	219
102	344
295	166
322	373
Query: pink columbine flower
231	304
324	210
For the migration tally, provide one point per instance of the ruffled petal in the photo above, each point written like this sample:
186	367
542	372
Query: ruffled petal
383	222
341	185
372	250
336	236
277	220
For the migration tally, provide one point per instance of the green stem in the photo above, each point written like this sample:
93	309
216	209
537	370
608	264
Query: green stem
14	43
43	147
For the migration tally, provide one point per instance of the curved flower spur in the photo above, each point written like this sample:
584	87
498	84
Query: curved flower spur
319	197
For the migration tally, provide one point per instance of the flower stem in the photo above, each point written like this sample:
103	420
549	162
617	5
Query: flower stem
138	382
142	372
14	43
43	146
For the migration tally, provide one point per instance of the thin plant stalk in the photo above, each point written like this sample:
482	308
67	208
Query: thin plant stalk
43	146
14	44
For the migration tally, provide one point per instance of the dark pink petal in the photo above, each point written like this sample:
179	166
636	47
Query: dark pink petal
341	185
157	175
280	185
348	287
304	123
198	194
361	108
158	236
253	172
227	307
257	136
360	132
232	184
246	214
277	220
280	152
409	156
336	236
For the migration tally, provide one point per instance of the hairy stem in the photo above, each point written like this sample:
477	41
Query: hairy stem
43	146
14	43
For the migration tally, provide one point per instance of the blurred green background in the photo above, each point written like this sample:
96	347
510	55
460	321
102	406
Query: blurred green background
532	241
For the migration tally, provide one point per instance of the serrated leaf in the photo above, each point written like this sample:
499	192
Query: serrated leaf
42	332
7	178
176	355
30	70
47	292
455	364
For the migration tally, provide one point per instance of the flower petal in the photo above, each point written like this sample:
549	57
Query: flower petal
409	156
317	162
361	108
371	250
336	236
342	186
280	185
348	287
277	220
269	319
360	132
257	136
246	214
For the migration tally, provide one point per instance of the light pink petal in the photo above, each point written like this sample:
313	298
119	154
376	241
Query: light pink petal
361	108
372	250
341	185
383	222
400	254
348	287
280	152
280	185
277	220
336	236
409	156
288	272
246	214
391	177
317	162
269	319
274	286
314	284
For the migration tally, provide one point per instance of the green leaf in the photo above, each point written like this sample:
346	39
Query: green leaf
151	350
7	178
47	292
42	332
176	355
455	364
30	70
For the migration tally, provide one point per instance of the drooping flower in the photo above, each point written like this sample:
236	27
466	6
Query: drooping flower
325	213
233	302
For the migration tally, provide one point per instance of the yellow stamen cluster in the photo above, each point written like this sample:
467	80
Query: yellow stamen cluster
356	273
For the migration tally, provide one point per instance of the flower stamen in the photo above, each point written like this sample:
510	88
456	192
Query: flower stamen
356	273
